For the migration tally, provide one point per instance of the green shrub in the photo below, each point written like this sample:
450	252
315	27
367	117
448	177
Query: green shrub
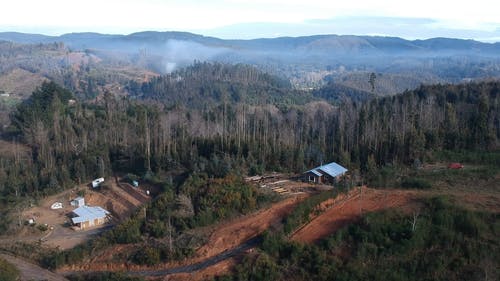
418	183
8	272
127	232
43	227
147	256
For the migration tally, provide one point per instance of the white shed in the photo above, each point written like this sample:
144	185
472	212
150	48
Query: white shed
78	202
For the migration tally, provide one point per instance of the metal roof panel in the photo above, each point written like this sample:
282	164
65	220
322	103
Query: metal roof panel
86	213
332	169
316	172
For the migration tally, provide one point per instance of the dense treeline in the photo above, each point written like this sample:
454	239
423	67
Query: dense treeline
337	93
72	143
440	242
205	84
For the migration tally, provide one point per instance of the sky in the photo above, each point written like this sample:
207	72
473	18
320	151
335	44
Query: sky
241	19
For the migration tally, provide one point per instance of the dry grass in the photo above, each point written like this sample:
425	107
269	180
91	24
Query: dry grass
20	83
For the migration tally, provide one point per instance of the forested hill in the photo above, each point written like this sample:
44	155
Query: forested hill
208	84
339	44
335	93
430	118
75	142
306	61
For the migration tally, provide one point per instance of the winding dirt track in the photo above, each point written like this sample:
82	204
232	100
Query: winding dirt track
230	239
226	240
350	210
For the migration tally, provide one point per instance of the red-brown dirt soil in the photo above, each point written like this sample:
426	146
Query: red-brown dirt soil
350	209
224	236
221	268
239	230
121	200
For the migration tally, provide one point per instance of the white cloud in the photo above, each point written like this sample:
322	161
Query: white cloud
129	15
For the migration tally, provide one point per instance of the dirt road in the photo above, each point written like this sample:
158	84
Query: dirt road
226	240
205	263
233	233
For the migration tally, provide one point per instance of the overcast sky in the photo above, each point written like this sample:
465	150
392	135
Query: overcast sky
478	19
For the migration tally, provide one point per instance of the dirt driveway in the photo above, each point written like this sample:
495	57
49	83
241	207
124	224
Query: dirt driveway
223	237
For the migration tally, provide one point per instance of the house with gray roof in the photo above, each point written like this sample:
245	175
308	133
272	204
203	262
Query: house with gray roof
86	216
329	173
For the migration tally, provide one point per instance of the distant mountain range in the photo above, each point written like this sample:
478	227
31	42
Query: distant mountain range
308	61
334	44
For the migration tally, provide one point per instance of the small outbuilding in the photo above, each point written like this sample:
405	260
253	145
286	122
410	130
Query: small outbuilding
78	202
86	216
329	173
97	182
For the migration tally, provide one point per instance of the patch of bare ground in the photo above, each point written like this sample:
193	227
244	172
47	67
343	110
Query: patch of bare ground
350	209
121	202
223	236
239	230
221	268
20	83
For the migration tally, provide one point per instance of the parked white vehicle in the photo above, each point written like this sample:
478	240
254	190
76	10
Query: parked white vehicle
97	182
57	205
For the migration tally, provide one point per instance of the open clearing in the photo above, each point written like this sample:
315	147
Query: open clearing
351	209
120	199
222	237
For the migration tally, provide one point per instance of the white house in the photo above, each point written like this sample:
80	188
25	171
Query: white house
86	216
